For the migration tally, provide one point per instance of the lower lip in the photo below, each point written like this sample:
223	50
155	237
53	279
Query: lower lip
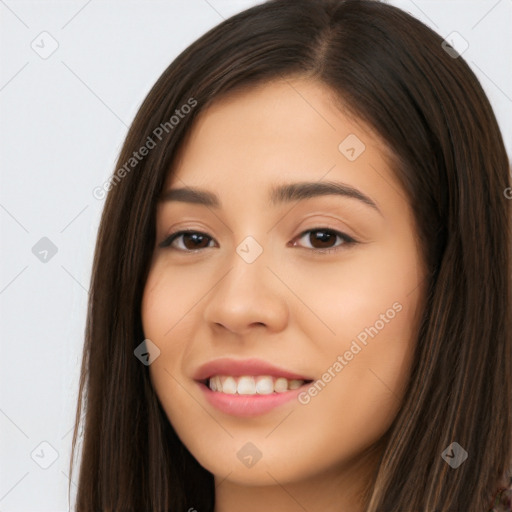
248	405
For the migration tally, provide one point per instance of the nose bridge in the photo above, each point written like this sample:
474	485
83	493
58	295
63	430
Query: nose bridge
247	273
248	293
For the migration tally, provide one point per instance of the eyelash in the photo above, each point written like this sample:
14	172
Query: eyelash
347	240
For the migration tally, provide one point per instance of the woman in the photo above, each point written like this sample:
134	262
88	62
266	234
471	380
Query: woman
235	361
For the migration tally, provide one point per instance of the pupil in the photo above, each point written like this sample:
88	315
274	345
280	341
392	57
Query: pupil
323	237
194	237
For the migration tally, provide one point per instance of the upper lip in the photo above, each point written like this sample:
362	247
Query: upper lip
239	367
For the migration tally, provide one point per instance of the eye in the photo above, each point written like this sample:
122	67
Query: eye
191	240
321	241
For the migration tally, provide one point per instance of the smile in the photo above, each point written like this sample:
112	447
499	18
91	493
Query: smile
250	403
252	385
248	387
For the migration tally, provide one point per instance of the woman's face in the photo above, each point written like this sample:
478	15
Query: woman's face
256	282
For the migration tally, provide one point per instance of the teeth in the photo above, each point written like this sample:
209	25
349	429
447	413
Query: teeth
281	385
294	384
248	385
264	385
228	386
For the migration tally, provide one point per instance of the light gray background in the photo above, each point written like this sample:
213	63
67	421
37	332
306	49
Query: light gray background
63	120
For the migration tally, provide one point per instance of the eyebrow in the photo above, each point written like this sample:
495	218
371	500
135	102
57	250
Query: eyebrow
278	195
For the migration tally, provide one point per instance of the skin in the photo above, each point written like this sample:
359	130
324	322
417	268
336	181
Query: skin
291	307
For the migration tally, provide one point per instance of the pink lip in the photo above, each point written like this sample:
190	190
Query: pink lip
247	405
237	368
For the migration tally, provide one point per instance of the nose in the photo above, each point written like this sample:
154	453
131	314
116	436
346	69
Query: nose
248	295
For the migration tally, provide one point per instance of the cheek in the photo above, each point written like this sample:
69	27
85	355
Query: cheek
372	289
369	309
365	373
169	306
164	321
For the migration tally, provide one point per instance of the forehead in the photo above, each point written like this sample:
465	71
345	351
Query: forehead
286	130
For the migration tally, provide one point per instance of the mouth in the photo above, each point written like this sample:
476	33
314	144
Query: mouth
248	387
248	396
251	385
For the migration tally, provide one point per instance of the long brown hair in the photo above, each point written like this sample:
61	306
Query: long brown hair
392	72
